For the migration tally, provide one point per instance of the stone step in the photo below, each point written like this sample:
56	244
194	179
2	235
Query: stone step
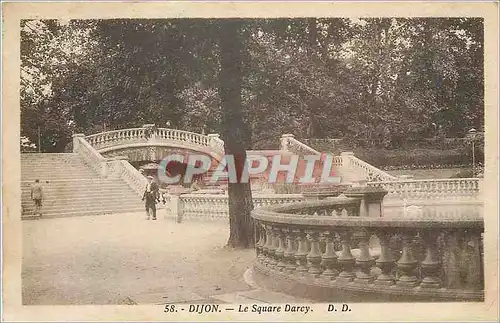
86	203
80	213
87	208
121	193
73	185
73	188
90	191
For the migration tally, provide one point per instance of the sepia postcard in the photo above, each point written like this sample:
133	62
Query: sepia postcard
250	161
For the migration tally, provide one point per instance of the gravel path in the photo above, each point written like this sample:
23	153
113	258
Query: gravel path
120	259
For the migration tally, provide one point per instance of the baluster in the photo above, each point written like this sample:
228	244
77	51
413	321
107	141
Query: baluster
473	247
302	252
407	263
280	250
289	253
452	259
314	255
346	260
272	249
267	245
430	265
260	242
364	261
385	262
329	258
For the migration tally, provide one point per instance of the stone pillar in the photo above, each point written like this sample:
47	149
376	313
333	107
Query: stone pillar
176	208
284	141
371	199
76	141
104	168
117	165
346	171
213	137
480	189
152	128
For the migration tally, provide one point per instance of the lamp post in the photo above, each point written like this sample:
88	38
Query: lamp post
39	141
472	134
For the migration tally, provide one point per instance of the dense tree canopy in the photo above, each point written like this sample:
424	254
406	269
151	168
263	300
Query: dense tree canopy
379	82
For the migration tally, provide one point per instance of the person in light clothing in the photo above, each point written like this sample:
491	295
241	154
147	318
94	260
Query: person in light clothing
151	196
37	196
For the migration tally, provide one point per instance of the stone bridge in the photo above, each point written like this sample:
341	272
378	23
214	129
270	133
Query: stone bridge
154	144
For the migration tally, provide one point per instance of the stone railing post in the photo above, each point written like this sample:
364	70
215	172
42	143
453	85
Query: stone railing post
104	168
76	141
150	131
176	207
116	165
346	169
480	189
371	199
213	138
284	141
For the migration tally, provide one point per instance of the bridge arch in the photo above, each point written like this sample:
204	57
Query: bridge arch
143	144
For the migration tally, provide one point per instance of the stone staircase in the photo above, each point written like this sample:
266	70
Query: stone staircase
72	188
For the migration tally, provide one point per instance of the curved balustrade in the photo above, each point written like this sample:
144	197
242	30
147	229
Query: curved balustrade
305	249
111	138
106	140
431	189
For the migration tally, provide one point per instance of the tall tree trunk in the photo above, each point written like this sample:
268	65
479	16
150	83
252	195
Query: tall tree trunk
234	132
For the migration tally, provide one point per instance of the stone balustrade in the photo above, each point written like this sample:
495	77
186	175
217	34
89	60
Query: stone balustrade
108	140
196	206
132	177
352	168
289	143
309	250
116	167
352	164
431	189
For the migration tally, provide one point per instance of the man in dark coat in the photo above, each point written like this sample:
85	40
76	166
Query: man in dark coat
151	196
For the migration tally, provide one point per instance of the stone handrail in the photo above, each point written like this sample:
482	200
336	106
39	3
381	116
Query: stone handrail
347	160
435	189
93	158
289	143
133	177
424	258
115	167
110	139
371	173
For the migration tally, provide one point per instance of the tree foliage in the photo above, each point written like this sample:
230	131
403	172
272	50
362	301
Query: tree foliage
378	82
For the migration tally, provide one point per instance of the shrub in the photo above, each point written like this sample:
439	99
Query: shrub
418	158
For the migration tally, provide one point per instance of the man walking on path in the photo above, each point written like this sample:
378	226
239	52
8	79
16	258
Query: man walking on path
37	196
151	196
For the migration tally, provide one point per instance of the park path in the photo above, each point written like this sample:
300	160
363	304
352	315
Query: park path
123	258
